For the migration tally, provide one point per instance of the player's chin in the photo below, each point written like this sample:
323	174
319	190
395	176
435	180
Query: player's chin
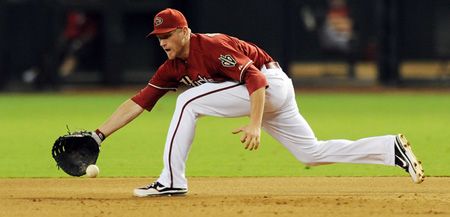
170	55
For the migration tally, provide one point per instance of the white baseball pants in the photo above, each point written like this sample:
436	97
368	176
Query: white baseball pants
281	120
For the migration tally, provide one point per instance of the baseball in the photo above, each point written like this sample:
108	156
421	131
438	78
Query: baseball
92	171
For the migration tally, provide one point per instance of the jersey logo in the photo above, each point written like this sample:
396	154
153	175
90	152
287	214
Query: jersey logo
227	60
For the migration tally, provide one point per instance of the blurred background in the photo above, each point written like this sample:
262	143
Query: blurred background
50	45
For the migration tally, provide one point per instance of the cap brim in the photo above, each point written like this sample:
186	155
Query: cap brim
160	31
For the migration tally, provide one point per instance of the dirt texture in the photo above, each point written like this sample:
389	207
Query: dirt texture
254	196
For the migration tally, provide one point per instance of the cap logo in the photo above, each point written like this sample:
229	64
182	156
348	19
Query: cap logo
158	21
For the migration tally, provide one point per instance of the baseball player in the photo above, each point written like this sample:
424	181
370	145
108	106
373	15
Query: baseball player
233	78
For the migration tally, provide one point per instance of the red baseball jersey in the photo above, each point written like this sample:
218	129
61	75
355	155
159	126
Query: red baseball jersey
212	58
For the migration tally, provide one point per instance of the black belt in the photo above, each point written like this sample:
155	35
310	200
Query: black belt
272	65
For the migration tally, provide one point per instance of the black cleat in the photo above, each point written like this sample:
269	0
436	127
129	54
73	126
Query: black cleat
157	189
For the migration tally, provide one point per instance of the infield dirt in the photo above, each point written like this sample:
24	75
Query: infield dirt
250	196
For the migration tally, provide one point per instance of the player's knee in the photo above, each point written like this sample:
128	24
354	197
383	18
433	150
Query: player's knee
310	160
311	164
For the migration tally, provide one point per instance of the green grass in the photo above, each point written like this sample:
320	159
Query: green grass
31	122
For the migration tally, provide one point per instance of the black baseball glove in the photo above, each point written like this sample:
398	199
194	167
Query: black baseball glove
75	151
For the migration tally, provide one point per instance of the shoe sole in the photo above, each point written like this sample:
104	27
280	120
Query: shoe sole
160	194
415	166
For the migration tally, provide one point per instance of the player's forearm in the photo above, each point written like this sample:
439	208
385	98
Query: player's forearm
124	114
257	100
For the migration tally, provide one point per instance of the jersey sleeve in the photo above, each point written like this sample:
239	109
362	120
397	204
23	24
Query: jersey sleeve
159	84
148	96
239	67
164	78
254	79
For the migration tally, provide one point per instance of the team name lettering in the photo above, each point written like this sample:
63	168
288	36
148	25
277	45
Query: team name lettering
200	80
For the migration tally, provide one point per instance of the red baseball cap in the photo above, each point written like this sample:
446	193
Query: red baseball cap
168	20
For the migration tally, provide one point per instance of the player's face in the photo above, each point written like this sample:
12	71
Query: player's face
173	43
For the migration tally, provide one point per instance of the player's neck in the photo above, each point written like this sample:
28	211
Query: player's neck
185	50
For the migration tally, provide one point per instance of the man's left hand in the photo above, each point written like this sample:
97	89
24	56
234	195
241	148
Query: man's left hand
251	137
